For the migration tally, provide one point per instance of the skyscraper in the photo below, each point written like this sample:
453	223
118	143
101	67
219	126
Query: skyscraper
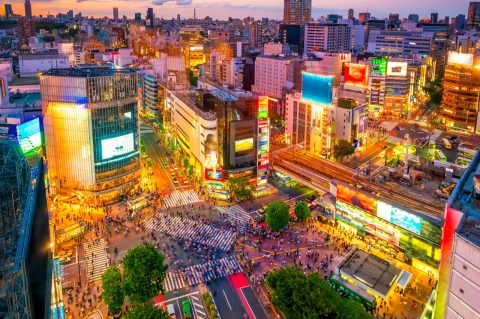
363	17
473	18
91	131
149	18
351	14
413	17
115	14
8	10
138	16
26	29
296	12
28	9
434	17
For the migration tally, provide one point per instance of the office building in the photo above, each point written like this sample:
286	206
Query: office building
440	34
293	35
351	14
26	29
363	17
460	22
115	14
28	9
297	12
434	17
393	17
473	15
8	10
255	34
461	89
91	131
138	16
32	64
459	283
413	17
150	18
148	94
400	43
327	37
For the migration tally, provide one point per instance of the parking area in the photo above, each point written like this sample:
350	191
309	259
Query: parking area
185	306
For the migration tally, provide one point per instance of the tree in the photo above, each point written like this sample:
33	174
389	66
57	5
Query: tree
144	272
310	296
186	163
277	215
302	211
192	77
434	90
343	148
241	188
147	311
113	293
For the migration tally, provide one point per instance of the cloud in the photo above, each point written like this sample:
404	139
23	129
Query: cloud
177	2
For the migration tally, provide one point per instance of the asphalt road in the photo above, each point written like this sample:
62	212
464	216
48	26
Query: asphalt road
254	303
228	302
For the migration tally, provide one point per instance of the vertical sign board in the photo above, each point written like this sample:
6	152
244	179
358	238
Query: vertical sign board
263	141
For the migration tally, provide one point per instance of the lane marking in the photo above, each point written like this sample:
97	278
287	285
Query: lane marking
228	302
246	301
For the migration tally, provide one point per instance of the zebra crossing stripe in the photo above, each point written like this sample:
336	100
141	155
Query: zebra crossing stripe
180	198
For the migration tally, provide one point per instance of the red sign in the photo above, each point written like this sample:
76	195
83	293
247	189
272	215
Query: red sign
354	197
217	175
355	74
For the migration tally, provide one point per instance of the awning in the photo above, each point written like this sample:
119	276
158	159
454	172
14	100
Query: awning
404	279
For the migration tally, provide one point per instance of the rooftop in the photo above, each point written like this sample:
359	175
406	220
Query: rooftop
89	72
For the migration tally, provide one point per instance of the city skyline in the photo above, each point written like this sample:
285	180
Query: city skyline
269	8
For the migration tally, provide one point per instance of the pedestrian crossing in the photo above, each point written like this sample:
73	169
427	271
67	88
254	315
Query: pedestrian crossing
180	198
198	306
394	140
236	214
146	129
96	258
200	273
195	231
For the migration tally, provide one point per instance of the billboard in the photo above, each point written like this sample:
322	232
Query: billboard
214	175
355	74
263	107
460	58
352	196
263	141
317	88
116	146
242	146
379	66
29	136
399	217
397	68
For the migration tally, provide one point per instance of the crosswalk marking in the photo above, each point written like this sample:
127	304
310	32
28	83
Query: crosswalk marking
236	214
96	258
193	275
394	140
181	198
189	229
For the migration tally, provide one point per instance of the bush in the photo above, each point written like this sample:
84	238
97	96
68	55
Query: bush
277	215
302	211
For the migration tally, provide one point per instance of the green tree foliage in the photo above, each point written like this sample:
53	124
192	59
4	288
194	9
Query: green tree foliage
241	188
113	293
302	211
186	163
310	296
277	215
192	77
434	90
144	272
147	311
343	148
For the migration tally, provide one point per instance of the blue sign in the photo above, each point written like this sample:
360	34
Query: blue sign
317	88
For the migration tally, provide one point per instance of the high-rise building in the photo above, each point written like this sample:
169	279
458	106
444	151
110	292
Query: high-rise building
115	14
363	17
91	131
138	16
327	37
255	34
393	17
461	90
26	29
473	15
297	11
413	17
8	10
28	9
460	21
150	18
434	17
351	14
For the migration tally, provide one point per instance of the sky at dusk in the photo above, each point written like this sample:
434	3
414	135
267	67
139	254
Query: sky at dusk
221	9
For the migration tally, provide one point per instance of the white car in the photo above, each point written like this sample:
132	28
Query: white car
171	310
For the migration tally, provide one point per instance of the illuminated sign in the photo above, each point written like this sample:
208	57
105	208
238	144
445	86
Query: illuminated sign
379	66
397	68
117	146
263	141
244	145
214	175
356	198
3	87
317	88
460	58
29	136
355	74
399	217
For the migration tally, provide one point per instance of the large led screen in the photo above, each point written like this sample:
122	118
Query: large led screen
29	136
244	145
379	66
397	68
355	74
217	175
317	88
399	217
116	146
460	58
356	198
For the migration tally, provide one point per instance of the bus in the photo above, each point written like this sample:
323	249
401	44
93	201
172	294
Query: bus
466	152
463	161
135	204
71	231
446	143
353	291
439	155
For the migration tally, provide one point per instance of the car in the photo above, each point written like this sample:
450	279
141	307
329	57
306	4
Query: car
175	167
165	164
179	174
187	309
185	182
171	310
172	172
175	181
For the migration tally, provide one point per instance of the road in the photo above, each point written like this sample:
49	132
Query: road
307	165
227	300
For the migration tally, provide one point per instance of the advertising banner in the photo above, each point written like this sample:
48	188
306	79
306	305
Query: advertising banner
355	74
317	88
397	68
217	175
29	136
354	197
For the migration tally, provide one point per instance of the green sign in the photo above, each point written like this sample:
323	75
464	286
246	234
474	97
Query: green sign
379	66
